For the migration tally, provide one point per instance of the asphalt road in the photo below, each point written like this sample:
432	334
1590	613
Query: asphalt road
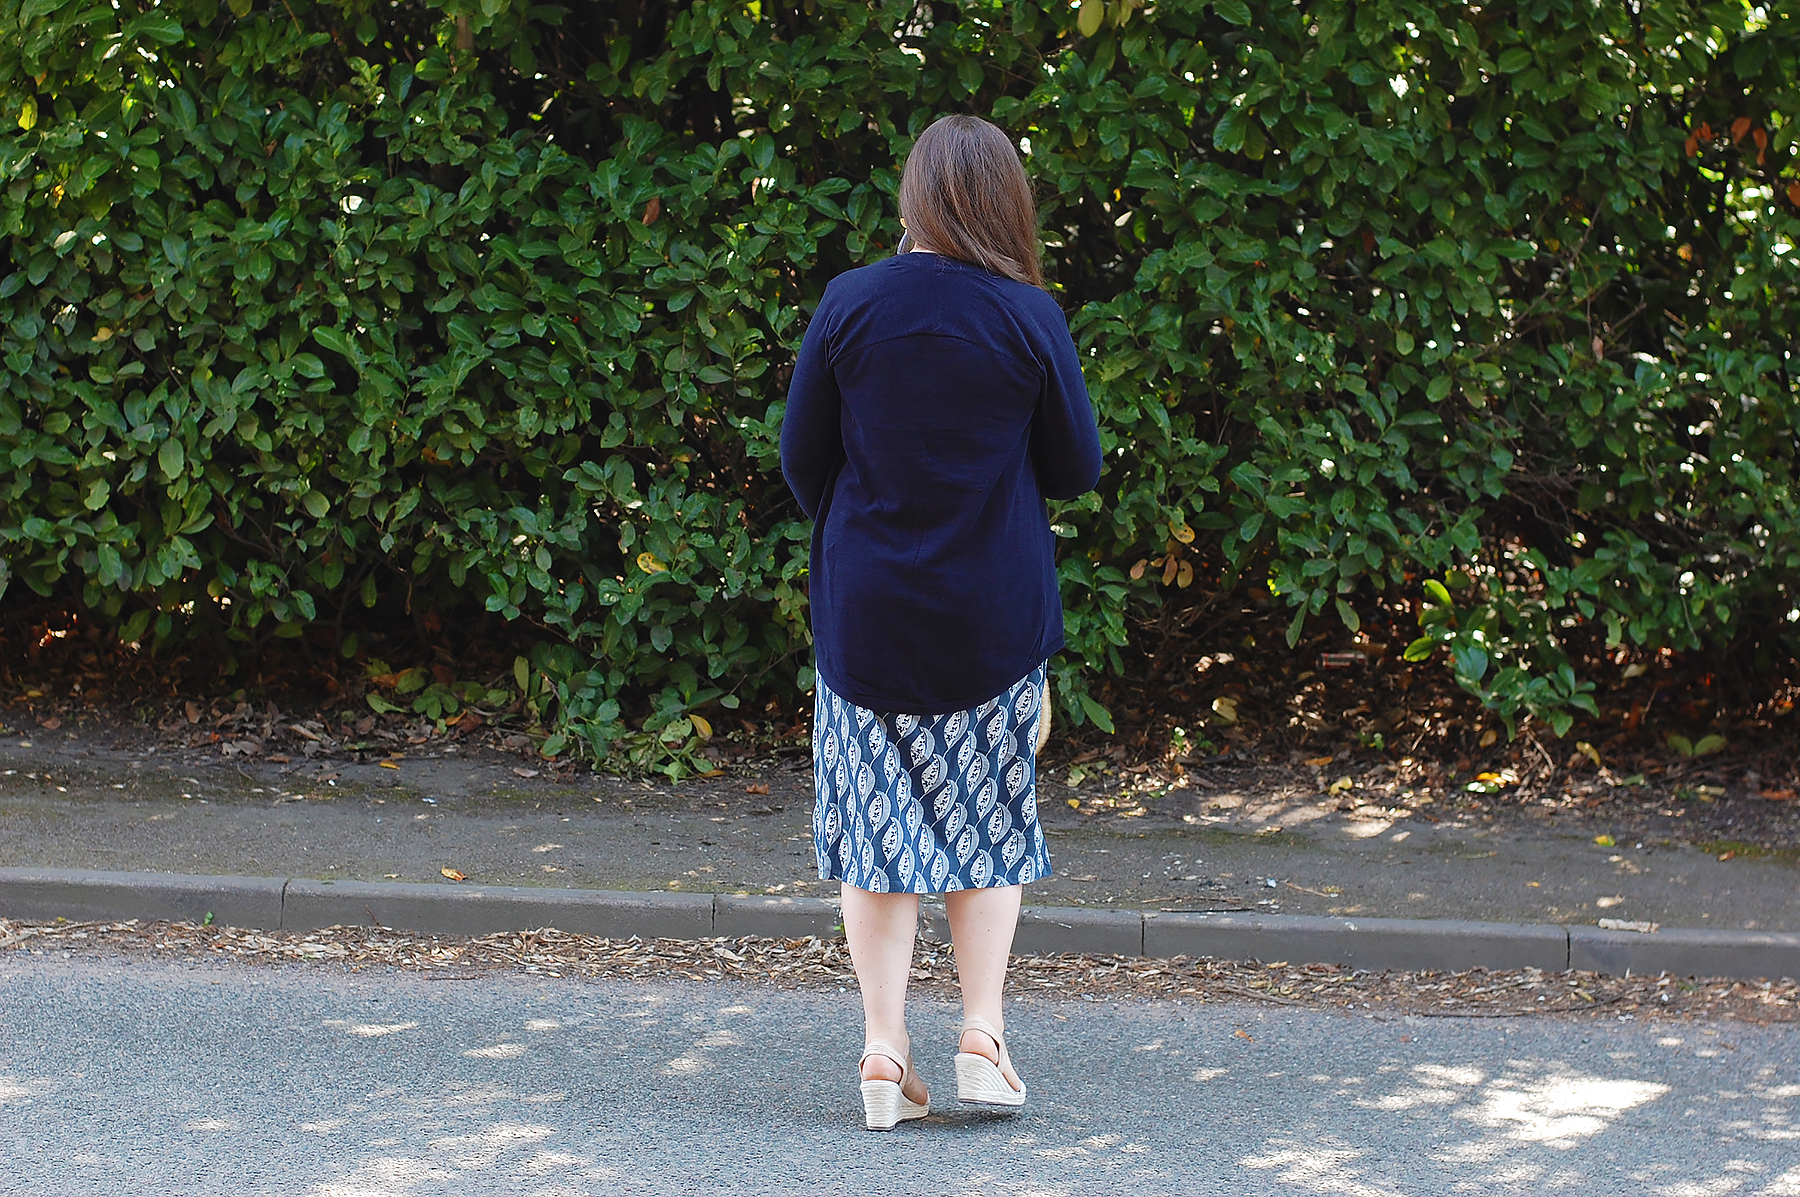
216	1078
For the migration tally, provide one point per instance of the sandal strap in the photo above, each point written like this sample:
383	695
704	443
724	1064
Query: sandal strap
890	1052
987	1028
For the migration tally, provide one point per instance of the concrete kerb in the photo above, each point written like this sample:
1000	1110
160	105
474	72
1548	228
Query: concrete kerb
1446	945
487	909
1686	952
1439	944
82	894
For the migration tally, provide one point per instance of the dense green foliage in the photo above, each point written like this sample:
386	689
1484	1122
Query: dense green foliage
314	306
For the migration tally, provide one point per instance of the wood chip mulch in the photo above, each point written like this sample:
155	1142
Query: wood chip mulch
814	963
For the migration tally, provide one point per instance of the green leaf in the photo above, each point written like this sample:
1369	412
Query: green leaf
170	459
1420	649
378	704
335	340
1471	661
317	505
1091	13
1235	11
1348	614
154	28
1514	60
134	628
1097	714
1228	133
1681	744
1707	745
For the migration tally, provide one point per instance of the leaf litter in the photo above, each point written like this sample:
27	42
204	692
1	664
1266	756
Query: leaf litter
818	963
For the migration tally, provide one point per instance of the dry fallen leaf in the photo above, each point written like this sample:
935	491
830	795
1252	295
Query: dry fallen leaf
1777	795
1319	762
50	724
389	765
453	874
1489	738
757	787
1074	803
1243	1034
526	772
1726	855
1339	786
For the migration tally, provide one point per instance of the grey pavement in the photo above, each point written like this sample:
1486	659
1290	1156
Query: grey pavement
199	1078
1236	845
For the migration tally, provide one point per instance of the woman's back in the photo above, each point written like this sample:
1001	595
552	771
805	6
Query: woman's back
934	407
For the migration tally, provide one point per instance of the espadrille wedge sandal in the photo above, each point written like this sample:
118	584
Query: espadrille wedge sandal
979	1080
885	1103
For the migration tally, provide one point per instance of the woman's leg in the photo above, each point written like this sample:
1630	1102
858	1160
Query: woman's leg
982	922
880	928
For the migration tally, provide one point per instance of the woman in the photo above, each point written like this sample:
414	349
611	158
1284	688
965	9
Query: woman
936	403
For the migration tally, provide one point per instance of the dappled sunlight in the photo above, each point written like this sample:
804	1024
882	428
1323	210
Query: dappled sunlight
370	1030
1556	1110
16	1090
1323	1165
477	1141
1536	1126
484	1148
1785	1185
506	1151
1556	1106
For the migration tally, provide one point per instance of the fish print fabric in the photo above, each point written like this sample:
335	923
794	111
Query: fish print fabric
929	804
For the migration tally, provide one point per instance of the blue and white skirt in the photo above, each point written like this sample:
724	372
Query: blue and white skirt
925	804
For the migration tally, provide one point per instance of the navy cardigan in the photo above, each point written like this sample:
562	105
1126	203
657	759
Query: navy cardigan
934	407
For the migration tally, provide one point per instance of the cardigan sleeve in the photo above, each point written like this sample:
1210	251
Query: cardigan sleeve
812	438
1065	442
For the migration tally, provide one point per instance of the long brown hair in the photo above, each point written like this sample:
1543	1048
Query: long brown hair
964	194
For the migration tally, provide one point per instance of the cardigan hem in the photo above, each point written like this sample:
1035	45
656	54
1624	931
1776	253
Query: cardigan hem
888	704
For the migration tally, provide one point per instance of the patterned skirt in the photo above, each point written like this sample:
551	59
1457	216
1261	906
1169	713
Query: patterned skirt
925	804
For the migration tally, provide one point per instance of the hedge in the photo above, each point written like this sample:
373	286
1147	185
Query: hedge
1487	312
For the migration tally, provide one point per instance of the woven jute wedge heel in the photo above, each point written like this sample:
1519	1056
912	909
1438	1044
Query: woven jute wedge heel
980	1081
